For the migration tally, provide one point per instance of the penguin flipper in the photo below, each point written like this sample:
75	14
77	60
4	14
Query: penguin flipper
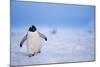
42	36
23	40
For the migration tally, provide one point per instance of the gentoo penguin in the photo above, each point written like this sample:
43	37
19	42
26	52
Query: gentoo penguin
33	40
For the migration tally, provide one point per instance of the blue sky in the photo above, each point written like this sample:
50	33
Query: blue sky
44	14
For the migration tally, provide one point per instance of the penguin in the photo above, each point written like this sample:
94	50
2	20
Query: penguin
33	41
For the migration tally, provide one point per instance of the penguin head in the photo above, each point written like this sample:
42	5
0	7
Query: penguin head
32	28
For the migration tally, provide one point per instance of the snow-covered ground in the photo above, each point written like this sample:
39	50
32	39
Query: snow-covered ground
66	45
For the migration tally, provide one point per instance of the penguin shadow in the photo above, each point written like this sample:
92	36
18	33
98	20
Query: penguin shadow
35	54
27	55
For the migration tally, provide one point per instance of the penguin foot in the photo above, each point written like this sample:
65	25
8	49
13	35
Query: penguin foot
39	51
33	54
30	55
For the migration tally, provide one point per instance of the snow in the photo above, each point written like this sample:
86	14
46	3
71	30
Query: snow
66	45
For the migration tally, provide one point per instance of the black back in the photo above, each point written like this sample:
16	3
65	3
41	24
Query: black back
32	28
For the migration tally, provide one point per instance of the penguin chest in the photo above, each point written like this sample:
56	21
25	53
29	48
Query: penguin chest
33	42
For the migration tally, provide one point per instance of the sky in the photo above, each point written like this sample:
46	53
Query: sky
24	14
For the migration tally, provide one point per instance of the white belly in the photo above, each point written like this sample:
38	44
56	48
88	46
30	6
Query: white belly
33	42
